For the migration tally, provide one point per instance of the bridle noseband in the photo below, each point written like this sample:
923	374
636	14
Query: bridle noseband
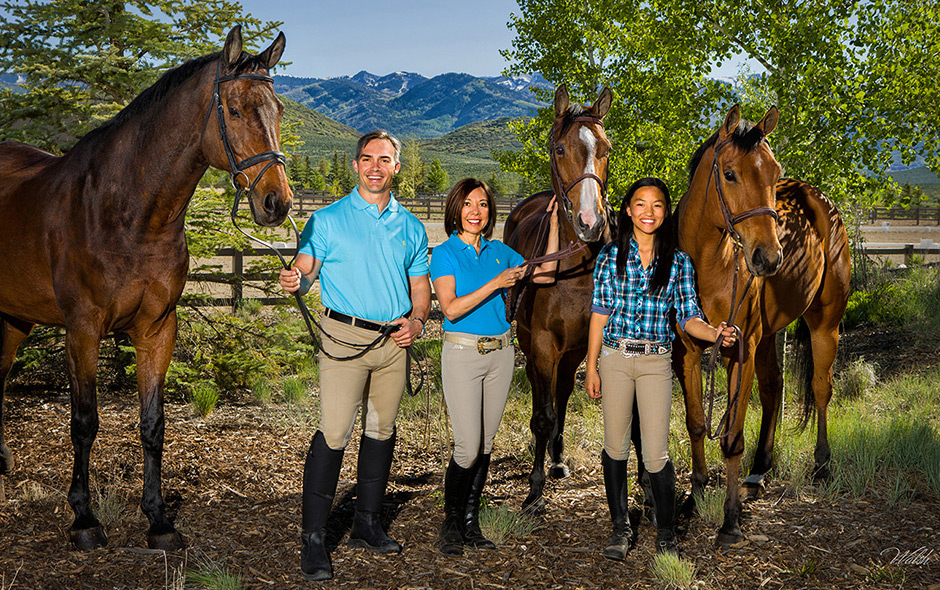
553	164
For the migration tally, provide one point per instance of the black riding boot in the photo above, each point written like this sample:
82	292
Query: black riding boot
664	493
456	482
375	461
615	483
472	535
321	472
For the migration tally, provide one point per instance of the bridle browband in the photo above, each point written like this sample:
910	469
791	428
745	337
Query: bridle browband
724	424
560	190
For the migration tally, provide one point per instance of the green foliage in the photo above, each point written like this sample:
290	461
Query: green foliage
413	169
499	523
711	506
908	299
213	576
295	390
84	61
856	379
854	82
204	397
436	181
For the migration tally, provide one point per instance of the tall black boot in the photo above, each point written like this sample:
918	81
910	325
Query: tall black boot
456	482
472	535
321	472
664	493
375	461
615	484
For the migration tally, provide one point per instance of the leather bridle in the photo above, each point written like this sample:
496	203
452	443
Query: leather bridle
724	424
553	163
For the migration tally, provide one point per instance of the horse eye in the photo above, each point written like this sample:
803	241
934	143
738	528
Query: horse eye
560	150
234	112
729	176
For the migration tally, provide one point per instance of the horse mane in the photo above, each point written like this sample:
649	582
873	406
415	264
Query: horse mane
745	137
574	110
165	85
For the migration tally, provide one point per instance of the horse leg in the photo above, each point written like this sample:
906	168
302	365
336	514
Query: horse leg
770	385
825	344
154	346
12	334
732	447
81	349
542	425
564	385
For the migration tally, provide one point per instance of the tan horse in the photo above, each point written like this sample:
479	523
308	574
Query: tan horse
552	320
792	241
93	240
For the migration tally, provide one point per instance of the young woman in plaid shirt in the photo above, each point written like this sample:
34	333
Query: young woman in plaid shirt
638	280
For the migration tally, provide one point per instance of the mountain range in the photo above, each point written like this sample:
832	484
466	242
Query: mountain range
411	105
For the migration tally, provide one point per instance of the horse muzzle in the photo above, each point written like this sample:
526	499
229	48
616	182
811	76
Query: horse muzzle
271	210
764	262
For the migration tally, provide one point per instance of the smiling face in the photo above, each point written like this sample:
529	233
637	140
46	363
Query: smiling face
647	210
475	213
376	167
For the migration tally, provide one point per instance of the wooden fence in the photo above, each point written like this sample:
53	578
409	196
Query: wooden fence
917	215
238	278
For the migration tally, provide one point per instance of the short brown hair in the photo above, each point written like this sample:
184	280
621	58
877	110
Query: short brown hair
455	199
378	134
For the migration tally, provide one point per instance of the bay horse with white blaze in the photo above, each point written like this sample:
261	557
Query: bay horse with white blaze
796	264
94	241
552	319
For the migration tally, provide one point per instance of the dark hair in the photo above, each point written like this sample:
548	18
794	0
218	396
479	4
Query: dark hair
378	134
455	198
664	242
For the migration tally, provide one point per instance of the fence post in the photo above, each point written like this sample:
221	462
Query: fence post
908	253
238	266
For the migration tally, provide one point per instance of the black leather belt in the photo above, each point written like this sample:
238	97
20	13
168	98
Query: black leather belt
629	347
353	321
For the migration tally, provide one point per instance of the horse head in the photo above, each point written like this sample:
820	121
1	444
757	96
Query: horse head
578	151
742	175
245	139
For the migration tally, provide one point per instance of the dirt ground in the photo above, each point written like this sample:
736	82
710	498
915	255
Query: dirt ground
232	480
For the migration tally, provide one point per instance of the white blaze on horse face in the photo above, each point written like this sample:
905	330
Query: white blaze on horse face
590	194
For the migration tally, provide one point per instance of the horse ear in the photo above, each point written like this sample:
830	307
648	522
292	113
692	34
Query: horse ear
233	46
602	105
272	54
731	122
769	122
561	101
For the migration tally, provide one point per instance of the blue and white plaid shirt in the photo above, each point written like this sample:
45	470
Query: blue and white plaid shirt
634	312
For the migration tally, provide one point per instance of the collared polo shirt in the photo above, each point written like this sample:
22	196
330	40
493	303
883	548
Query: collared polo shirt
634	311
367	257
471	271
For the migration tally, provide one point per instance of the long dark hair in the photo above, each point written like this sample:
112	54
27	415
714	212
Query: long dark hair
454	205
664	242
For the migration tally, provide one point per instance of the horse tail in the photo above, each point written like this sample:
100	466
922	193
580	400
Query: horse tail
803	368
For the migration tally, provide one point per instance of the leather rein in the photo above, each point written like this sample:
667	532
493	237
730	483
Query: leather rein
724	423
237	169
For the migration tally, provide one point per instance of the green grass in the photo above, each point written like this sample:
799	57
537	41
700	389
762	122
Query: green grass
295	389
204	397
673	571
212	575
499	523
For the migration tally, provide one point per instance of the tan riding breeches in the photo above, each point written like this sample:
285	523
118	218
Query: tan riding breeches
649	378
375	382
475	389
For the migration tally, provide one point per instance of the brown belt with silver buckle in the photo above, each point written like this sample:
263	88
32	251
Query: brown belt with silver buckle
354	321
483	344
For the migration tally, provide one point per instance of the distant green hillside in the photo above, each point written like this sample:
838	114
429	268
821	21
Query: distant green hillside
463	152
922	177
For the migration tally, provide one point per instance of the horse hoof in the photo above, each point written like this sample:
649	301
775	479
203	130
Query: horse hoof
171	541
6	459
88	539
726	540
821	474
533	505
559	471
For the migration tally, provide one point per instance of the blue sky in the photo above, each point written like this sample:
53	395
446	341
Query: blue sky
328	38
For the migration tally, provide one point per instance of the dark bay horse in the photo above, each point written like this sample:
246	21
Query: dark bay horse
552	319
93	241
791	240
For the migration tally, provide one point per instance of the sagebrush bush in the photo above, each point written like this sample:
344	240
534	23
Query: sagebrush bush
856	379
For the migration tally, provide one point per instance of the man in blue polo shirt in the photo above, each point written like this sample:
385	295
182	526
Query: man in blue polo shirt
370	254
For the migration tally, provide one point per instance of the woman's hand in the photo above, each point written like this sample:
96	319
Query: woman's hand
592	384
552	209
728	333
509	277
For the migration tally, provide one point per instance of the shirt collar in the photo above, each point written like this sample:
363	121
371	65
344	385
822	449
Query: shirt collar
459	244
361	204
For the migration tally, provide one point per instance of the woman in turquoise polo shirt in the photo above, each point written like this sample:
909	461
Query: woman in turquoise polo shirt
470	272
